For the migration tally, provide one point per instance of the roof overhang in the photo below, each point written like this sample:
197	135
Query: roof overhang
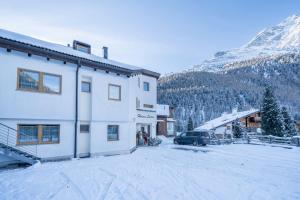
49	53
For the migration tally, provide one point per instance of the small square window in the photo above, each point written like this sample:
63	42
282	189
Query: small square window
112	132
84	128
85	86
146	86
114	92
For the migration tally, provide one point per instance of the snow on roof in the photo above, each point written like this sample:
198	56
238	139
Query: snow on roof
224	119
61	49
162	110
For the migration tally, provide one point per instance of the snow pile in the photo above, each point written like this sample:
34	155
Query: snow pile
165	172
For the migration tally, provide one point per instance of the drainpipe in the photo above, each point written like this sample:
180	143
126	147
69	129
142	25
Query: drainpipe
76	110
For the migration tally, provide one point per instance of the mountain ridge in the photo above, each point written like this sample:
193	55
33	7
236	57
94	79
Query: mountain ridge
273	41
237	78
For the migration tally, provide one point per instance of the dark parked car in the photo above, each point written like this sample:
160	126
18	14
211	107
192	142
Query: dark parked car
193	137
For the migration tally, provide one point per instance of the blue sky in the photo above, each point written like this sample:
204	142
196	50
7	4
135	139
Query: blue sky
164	36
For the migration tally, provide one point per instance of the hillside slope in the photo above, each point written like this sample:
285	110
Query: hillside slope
206	95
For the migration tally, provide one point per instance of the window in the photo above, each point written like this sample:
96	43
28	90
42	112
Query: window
51	83
137	102
84	128
28	80
114	92
38	134
85	86
252	119
50	133
146	86
28	134
112	132
38	81
148	106
83	47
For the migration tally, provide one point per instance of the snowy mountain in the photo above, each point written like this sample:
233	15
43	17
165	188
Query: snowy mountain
237	78
270	42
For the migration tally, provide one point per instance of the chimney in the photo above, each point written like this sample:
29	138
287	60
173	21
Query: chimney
105	52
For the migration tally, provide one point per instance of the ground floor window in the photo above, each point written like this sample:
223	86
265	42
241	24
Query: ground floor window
28	134
38	134
50	133
112	132
84	128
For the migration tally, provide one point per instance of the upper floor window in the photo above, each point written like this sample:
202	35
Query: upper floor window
83	47
85	86
148	106
38	81
112	132
51	83
28	79
114	92
146	86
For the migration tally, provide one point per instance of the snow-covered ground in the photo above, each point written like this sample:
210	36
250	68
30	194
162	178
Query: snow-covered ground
237	171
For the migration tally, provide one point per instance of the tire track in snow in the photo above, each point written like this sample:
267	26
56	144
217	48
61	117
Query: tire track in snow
76	188
110	185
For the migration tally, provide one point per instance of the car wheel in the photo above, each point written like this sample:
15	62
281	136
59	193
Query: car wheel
195	143
203	144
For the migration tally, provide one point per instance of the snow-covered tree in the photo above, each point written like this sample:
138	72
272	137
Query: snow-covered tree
190	124
237	129
271	123
288	124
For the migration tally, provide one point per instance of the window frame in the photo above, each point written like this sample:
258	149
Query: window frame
118	133
150	106
79	44
39	136
90	86
40	82
50	74
81	131
148	84
120	92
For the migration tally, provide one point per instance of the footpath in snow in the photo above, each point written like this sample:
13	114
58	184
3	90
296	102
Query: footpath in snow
237	171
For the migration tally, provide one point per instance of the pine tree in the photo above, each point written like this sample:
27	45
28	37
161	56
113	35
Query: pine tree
288	124
190	124
271	123
237	130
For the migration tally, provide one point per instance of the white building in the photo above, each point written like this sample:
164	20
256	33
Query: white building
59	102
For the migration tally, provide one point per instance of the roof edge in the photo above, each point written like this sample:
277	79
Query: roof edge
52	54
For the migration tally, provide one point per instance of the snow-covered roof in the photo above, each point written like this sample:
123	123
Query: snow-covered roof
62	49
162	110
224	119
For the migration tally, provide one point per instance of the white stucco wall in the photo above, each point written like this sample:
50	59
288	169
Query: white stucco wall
21	107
